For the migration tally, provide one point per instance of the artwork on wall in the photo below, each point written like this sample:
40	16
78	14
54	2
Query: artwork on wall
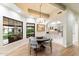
12	30
40	27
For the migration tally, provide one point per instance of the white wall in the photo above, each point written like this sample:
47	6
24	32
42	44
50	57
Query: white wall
37	21
68	24
75	33
68	19
39	34
30	20
11	14
77	15
58	18
1	36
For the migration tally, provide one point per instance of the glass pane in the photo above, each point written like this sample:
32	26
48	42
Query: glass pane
11	22
5	21
5	32
30	29
12	30
19	32
5	35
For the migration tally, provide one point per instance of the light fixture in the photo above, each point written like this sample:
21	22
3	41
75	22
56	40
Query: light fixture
40	17
58	22
59	12
40	9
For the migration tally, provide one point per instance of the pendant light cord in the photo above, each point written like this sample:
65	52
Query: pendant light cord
40	9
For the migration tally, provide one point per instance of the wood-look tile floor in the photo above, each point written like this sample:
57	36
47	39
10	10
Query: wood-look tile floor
57	50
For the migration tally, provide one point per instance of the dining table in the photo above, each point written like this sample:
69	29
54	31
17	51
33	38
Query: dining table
41	42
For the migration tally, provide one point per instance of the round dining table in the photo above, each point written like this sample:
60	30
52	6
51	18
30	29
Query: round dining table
41	42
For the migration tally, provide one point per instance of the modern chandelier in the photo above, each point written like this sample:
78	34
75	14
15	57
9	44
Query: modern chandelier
40	17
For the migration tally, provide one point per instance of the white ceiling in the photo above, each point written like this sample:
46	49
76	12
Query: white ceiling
46	8
50	9
73	6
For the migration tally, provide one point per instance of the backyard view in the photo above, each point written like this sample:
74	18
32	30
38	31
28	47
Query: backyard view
12	30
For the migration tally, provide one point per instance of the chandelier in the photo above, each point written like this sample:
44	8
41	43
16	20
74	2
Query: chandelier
40	17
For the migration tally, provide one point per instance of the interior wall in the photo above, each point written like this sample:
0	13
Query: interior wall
77	15
4	11
68	19
75	33
75	30
39	34
68	23
1	36
37	21
55	19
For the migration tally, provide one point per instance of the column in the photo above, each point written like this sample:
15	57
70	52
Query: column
78	27
24	28
68	23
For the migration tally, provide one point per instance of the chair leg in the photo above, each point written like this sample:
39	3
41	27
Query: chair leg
30	50
35	52
51	47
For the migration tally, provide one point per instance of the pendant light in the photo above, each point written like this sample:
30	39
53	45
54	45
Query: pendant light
40	17
40	9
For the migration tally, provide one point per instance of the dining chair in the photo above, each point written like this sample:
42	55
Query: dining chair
33	45
48	44
48	36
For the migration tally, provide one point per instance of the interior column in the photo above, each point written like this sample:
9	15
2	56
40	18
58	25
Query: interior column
78	28
68	23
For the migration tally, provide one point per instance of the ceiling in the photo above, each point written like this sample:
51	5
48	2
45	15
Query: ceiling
46	9
73	6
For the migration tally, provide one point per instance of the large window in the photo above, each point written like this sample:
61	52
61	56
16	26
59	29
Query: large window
12	30
30	30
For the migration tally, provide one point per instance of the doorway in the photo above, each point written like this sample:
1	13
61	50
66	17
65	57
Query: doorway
56	32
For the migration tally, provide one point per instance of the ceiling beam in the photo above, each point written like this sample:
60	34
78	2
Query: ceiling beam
31	11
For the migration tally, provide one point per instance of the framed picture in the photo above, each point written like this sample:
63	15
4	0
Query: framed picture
40	27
